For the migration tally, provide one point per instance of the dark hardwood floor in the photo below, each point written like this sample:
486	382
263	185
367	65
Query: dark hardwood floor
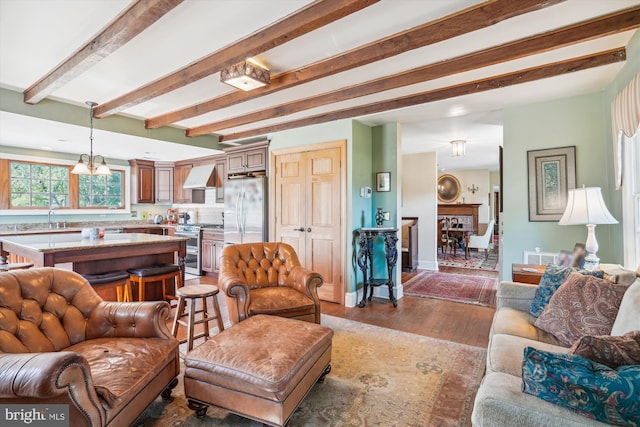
451	321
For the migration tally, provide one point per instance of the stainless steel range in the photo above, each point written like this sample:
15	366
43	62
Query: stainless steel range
193	260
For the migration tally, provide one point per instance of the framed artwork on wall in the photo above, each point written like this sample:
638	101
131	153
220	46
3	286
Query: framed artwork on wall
383	181
552	173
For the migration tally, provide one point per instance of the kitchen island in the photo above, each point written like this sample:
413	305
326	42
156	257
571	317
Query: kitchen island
113	252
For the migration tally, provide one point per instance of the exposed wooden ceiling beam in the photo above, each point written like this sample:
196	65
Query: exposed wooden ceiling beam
482	85
133	20
598	27
305	20
467	20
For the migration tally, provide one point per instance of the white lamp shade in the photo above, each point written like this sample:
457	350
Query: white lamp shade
586	206
81	168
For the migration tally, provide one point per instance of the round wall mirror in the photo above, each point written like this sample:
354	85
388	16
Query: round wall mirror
448	188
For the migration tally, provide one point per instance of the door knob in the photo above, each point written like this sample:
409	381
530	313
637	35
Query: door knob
299	229
309	230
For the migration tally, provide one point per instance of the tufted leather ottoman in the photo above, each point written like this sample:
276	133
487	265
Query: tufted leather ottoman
261	368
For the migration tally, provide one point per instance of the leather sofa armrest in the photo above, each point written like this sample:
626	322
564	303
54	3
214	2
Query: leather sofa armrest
305	281
515	295
62	377
147	319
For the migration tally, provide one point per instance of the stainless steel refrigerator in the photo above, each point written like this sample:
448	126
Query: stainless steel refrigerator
245	210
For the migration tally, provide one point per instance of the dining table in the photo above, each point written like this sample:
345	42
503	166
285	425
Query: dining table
462	233
113	252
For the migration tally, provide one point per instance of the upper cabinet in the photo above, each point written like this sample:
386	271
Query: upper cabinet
221	177
143	181
247	159
180	173
164	183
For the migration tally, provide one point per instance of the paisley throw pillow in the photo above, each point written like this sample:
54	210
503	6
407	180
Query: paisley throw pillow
610	350
583	305
586	387
552	278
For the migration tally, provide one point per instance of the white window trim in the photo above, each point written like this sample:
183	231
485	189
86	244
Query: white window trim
631	200
84	211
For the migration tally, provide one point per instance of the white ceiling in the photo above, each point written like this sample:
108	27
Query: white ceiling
36	35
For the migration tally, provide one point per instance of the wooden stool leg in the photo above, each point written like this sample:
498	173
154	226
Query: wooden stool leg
119	291
128	294
191	323
141	286
216	308
205	317
179	311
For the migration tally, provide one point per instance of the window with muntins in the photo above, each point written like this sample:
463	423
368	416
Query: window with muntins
104	191
39	185
36	186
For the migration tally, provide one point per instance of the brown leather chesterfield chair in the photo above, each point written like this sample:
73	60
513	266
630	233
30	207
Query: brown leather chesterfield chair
267	278
61	344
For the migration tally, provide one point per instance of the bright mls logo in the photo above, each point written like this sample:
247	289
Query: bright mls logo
34	415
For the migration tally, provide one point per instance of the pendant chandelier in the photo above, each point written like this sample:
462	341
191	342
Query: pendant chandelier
458	148
93	166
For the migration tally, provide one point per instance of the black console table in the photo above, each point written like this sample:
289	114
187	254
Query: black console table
365	259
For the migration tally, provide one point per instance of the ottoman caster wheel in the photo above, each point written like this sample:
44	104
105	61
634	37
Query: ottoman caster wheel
200	409
166	393
324	373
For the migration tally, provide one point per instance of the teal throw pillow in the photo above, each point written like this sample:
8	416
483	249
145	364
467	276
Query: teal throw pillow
588	388
552	278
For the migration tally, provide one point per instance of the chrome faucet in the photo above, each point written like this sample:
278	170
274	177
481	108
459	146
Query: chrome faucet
51	212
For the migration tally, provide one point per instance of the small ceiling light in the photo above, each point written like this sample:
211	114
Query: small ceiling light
245	75
91	167
458	148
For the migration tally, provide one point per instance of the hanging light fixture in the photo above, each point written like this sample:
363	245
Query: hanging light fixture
458	148
91	167
245	75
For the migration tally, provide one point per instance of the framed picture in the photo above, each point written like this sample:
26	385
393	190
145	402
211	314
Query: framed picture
448	188
383	181
552	173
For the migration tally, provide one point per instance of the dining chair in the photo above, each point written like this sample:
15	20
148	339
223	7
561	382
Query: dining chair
445	241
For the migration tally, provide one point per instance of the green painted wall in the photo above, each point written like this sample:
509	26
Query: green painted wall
384	159
48	109
575	121
361	207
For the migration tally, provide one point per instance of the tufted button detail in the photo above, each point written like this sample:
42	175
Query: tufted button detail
115	326
133	325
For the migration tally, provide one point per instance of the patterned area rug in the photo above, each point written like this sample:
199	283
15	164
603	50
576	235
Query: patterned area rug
476	260
379	377
453	287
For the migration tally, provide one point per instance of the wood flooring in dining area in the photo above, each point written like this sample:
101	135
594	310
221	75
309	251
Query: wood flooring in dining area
446	320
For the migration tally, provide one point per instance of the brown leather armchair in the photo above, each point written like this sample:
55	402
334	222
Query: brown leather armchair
61	344
267	278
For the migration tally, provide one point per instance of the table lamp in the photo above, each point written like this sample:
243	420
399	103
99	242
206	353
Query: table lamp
585	206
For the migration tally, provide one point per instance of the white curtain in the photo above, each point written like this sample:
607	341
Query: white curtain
625	115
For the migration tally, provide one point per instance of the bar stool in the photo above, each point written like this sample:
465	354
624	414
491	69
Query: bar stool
192	293
119	279
157	273
16	266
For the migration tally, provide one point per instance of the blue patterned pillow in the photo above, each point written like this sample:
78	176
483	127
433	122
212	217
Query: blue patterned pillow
553	277
588	388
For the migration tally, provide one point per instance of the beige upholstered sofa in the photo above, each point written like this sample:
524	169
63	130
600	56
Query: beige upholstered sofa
500	401
61	344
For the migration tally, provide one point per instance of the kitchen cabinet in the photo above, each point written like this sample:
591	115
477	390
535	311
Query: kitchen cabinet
221	177
143	181
180	173
212	244
164	184
244	159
